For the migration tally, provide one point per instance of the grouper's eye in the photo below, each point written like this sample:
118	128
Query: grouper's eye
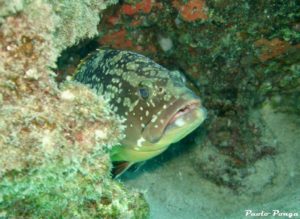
144	92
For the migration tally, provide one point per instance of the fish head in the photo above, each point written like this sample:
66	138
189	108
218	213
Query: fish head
166	111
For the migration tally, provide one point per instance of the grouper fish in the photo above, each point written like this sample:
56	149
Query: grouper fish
157	106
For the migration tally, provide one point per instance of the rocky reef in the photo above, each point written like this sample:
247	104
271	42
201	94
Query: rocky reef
54	138
55	134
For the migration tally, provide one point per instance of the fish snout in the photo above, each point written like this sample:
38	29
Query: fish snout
178	114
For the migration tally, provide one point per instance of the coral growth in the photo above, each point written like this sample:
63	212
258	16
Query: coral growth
143	6
54	141
117	40
273	48
192	10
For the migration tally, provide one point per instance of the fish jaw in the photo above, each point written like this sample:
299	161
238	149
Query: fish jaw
136	154
174	116
183	125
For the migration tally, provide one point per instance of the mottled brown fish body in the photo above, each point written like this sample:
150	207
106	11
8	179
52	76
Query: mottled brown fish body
159	109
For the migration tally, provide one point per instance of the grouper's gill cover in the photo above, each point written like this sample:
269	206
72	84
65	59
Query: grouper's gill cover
159	109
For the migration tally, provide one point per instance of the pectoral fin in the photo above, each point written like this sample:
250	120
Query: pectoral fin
137	166
119	167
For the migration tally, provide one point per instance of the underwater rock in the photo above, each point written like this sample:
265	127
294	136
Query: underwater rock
54	139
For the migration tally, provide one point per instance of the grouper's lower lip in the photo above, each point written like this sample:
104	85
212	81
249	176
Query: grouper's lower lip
175	119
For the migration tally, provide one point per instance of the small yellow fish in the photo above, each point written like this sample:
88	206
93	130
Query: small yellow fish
158	107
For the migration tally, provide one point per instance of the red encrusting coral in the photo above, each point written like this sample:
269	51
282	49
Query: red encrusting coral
144	6
191	11
113	20
273	48
117	40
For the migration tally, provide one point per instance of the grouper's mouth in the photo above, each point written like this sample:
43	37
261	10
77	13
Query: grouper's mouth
175	122
175	118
